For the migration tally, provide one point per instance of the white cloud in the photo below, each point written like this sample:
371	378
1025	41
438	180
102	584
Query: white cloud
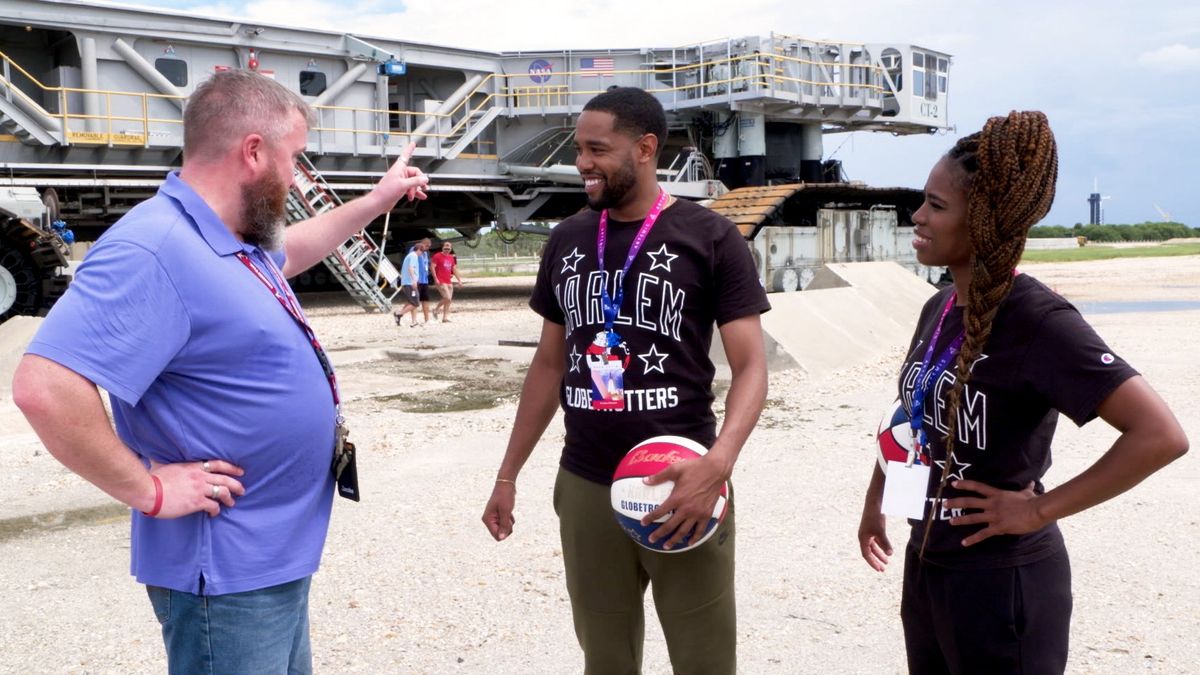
1175	57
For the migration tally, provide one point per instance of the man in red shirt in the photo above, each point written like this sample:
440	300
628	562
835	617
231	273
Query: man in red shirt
445	271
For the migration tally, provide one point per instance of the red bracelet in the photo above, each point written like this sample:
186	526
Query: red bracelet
158	497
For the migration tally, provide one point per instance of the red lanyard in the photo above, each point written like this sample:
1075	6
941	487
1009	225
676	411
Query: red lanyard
293	308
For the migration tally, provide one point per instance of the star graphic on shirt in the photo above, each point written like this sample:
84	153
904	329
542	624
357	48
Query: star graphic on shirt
653	355
575	356
572	259
665	264
960	468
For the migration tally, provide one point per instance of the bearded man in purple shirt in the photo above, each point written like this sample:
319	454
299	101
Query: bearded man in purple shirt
220	392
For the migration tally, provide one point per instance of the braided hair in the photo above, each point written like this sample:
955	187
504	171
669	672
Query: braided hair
1009	171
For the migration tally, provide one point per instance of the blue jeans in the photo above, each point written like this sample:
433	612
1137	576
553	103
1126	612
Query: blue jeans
261	632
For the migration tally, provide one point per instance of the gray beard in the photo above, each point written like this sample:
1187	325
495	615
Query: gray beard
266	235
263	213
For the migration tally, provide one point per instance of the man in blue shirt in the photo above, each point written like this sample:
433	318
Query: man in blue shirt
220	392
410	279
423	277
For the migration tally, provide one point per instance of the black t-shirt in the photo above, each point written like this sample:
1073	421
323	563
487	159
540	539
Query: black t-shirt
1041	358
655	376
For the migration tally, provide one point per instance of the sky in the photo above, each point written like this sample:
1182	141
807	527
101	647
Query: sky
1119	81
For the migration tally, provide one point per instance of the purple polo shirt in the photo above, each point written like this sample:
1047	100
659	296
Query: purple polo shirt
202	362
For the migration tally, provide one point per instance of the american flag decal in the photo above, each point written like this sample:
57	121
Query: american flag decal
599	66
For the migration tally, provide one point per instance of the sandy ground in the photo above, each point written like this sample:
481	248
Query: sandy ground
412	583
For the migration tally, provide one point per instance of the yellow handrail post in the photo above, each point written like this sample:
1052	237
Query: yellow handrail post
62	106
145	121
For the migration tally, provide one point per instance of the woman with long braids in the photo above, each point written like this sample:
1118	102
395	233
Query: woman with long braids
994	359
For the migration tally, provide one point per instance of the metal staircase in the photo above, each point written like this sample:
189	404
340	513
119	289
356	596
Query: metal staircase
357	261
22	126
20	115
468	129
10	126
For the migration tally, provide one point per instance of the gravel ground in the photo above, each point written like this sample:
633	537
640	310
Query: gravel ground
412	583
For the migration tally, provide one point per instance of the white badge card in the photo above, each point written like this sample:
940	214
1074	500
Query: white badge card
904	490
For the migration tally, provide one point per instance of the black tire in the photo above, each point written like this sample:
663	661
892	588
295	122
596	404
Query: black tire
30	275
20	282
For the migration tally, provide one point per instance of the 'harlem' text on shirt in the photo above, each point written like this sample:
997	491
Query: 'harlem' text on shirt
972	411
651	303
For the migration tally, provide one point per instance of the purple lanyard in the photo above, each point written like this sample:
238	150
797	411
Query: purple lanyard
926	376
611	306
293	308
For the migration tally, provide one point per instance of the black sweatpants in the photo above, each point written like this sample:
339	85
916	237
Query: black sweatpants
973	622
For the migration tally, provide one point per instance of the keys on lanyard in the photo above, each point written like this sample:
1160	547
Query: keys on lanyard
612	306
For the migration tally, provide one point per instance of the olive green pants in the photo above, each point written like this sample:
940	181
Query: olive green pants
607	575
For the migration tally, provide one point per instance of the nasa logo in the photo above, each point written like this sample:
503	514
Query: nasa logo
1107	358
540	71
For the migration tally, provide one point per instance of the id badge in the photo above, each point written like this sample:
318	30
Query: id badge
345	465
905	489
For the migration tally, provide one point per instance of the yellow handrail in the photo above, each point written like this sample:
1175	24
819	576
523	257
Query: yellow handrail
554	95
10	87
26	73
377	111
65	115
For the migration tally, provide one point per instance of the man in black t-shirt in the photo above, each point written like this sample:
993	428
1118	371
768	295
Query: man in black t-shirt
624	350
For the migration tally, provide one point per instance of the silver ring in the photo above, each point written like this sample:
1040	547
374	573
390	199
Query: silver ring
216	491
205	466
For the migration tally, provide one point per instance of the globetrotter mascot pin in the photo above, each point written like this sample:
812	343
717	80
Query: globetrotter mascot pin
608	357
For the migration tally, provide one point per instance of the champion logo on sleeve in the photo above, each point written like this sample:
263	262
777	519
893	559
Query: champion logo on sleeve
1107	358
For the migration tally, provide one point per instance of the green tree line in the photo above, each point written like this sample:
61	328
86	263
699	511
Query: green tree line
1147	231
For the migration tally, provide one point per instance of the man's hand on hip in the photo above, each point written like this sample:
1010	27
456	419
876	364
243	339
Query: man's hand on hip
188	487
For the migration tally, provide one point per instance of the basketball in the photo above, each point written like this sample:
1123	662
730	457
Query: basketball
894	436
632	499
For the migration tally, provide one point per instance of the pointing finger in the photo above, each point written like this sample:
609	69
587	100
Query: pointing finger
407	153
